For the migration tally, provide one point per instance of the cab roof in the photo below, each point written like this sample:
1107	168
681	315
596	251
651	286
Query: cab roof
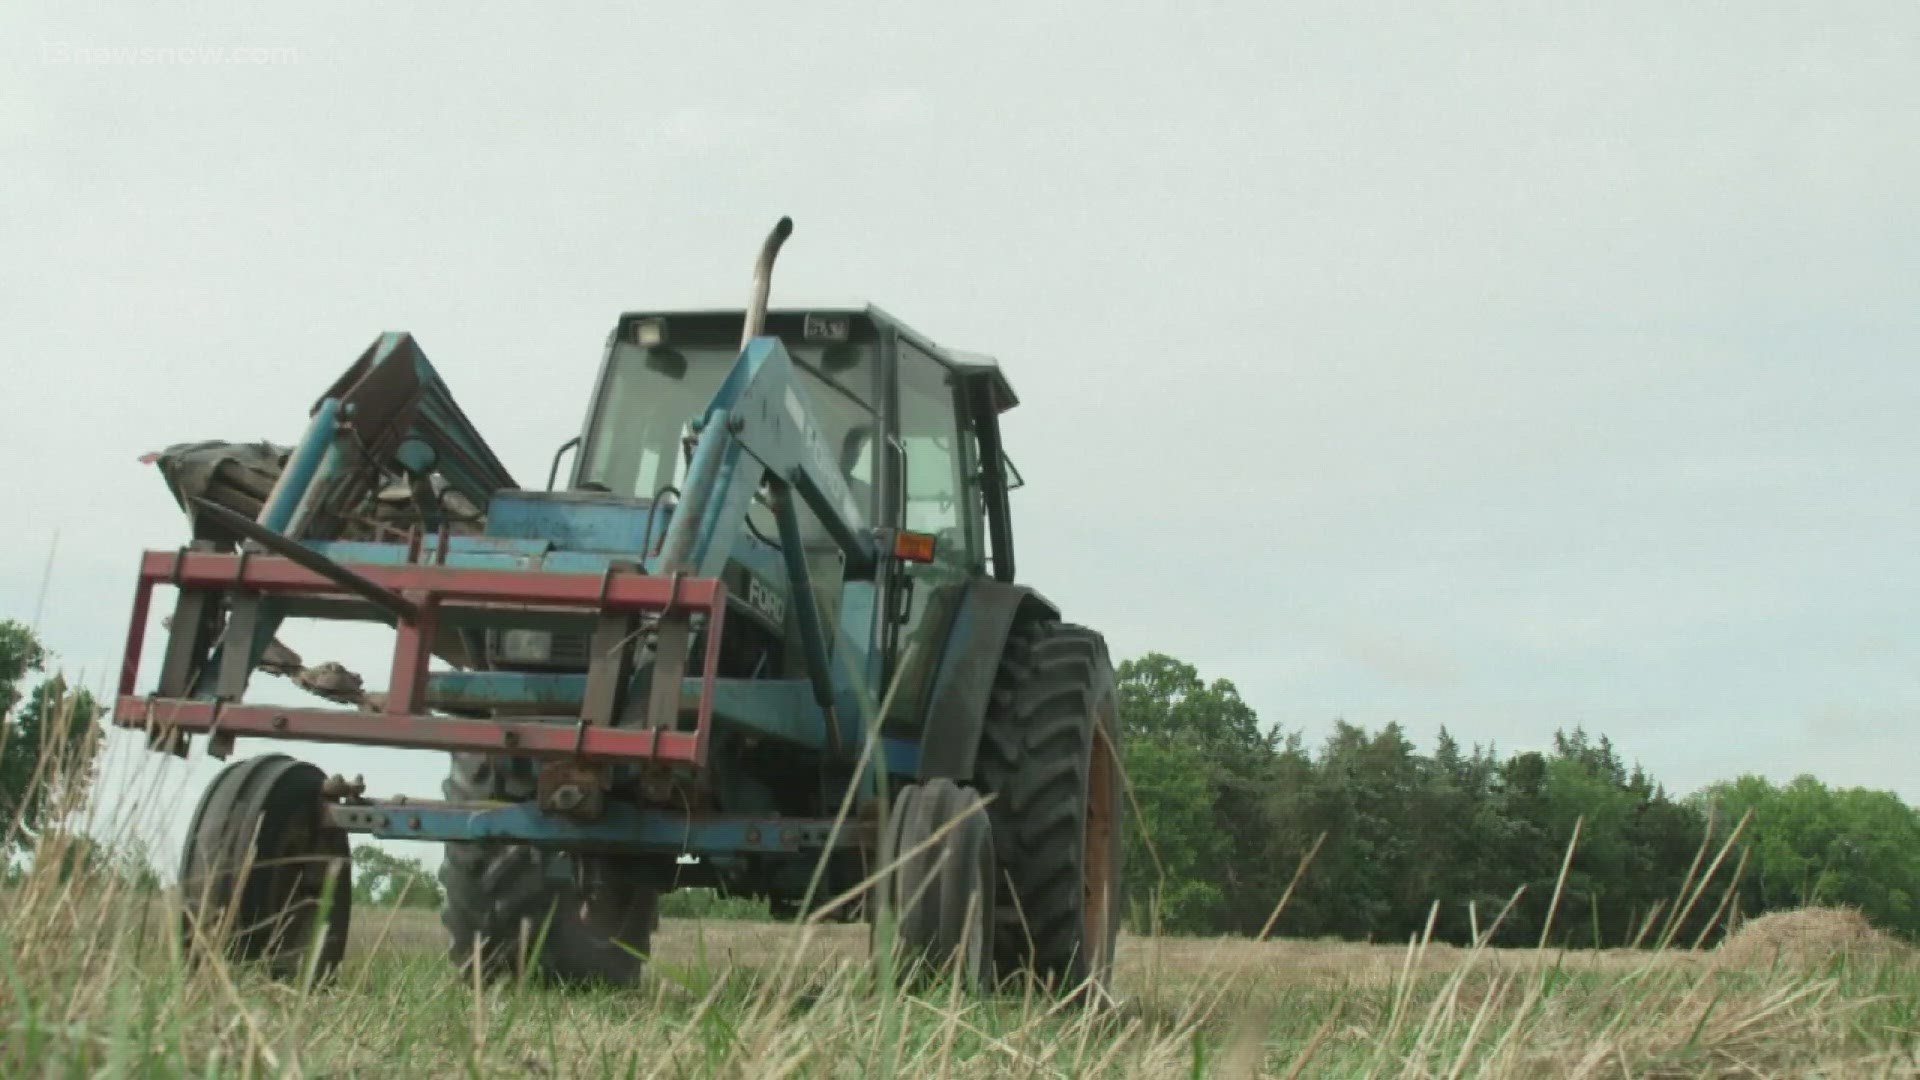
960	360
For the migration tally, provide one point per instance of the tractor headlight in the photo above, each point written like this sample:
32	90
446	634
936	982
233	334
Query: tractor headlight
526	646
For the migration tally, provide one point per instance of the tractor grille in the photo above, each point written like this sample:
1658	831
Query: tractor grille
566	651
569	651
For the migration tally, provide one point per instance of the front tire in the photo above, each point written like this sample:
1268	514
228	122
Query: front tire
260	852
1050	752
940	898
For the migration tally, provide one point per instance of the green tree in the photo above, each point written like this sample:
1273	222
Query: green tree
1196	743
383	878
1173	849
1592	795
1354	795
21	654
1633	849
1406	832
1463	830
47	745
1231	809
1809	844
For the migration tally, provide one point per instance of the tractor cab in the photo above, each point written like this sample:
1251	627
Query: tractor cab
912	429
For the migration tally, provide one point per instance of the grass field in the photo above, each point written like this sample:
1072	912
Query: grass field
90	988
94	982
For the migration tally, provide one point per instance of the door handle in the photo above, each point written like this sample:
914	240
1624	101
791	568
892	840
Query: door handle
903	600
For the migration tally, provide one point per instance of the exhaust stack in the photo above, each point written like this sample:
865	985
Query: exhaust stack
763	280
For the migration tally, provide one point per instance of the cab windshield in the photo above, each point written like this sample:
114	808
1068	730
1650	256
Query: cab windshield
652	395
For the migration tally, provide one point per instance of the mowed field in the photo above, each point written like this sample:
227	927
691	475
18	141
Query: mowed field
89	990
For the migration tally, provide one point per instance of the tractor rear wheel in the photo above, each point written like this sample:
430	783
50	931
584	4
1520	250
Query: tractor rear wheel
507	899
1049	752
259	853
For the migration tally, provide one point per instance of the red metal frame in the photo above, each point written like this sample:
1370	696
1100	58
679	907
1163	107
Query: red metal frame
433	588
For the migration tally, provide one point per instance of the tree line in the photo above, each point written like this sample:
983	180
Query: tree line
1227	812
1366	837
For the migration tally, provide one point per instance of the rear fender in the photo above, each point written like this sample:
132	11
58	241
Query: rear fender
963	682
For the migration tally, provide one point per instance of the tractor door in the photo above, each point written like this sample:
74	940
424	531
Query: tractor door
939	497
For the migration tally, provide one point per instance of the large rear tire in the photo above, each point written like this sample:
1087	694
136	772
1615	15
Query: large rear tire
1049	752
504	900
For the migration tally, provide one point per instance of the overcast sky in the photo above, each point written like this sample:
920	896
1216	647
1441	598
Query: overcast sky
1502	369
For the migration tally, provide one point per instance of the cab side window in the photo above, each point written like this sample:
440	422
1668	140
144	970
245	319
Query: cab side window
937	489
938	501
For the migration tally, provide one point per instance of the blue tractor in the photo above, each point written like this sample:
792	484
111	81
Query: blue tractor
765	637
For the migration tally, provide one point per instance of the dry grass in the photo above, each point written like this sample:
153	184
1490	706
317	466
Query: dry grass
1807	938
93	981
87	988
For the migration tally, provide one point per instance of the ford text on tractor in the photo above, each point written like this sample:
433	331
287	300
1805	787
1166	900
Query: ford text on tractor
766	636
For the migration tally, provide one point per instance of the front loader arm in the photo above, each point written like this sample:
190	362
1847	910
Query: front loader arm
760	429
760	426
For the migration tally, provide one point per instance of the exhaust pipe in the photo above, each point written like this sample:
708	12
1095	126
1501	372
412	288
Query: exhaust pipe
763	280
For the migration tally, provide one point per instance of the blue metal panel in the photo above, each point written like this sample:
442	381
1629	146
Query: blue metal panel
764	561
473	552
500	553
856	620
813	635
776	708
559	692
854	652
488	544
576	522
496	555
903	757
621	829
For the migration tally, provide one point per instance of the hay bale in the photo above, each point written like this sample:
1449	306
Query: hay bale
1808	937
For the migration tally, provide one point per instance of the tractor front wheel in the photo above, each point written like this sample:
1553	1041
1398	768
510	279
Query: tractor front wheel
262	874
937	856
1050	753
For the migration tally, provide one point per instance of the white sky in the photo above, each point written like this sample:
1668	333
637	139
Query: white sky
1507	369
